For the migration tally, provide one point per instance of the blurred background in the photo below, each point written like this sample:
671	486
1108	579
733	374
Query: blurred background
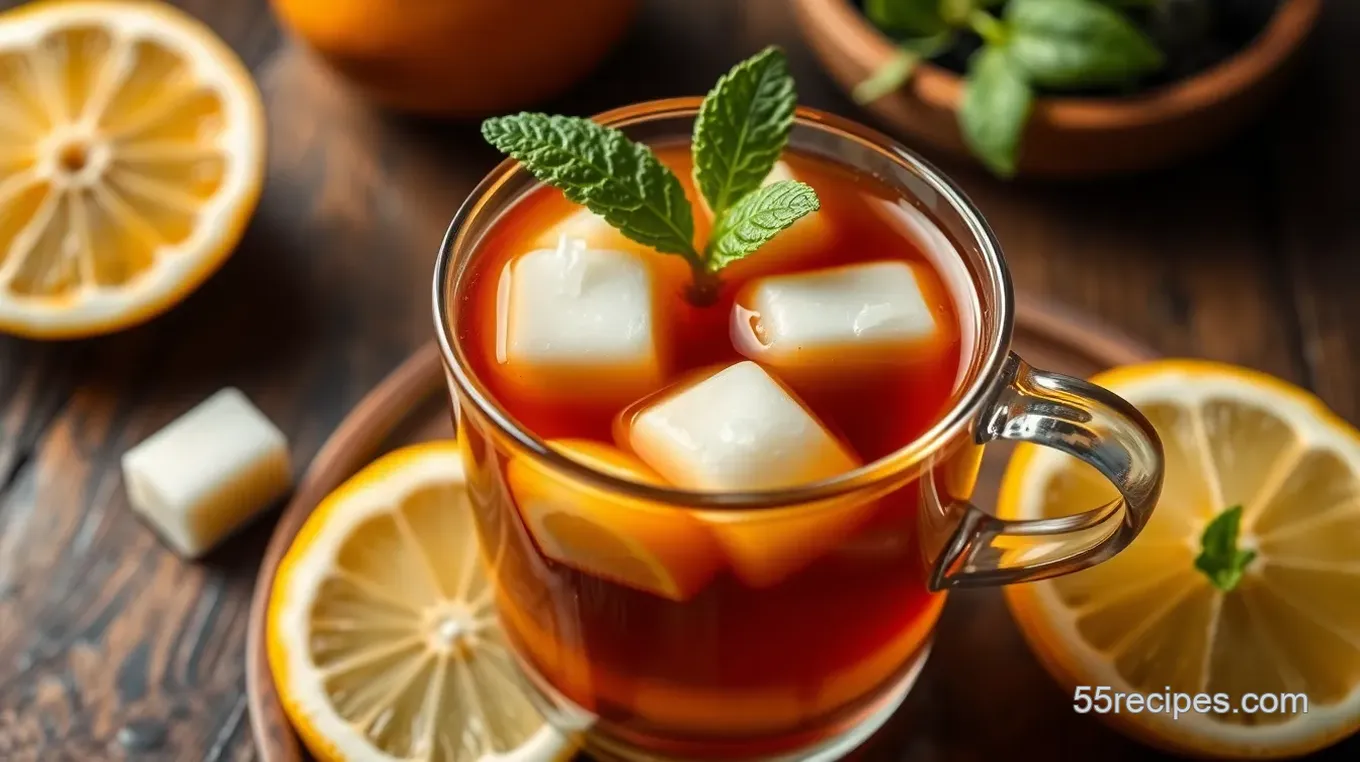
1215	218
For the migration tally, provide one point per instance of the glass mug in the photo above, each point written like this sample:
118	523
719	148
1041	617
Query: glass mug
812	665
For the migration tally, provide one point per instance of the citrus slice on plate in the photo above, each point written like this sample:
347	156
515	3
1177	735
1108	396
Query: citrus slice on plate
131	157
381	632
655	548
1244	587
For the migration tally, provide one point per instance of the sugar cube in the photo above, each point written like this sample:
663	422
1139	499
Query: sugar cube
582	322
208	472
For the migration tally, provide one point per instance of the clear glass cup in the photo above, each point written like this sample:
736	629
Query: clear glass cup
809	667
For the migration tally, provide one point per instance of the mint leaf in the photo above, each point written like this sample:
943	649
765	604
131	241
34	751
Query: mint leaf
1220	559
1077	43
601	168
757	218
742	127
910	17
898	69
996	105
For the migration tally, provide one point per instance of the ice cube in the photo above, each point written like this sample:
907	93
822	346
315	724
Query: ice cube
835	319
590	229
579	321
779	172
583	227
740	429
735	430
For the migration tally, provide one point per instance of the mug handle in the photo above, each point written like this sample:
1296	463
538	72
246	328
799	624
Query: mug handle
1078	418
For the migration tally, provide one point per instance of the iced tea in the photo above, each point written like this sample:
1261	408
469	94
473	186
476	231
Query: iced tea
700	632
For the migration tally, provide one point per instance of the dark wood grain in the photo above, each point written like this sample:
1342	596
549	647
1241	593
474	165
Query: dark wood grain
111	648
1315	159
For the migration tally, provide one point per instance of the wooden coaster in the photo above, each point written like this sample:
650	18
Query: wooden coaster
411	405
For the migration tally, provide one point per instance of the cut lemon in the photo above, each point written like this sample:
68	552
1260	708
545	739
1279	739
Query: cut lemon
382	637
658	549
1262	619
131	157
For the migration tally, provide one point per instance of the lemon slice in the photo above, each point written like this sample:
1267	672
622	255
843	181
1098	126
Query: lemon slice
131	157
382	637
1239	445
658	549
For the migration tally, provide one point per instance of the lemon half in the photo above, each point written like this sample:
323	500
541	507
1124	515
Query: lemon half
1149	622
382	636
131	157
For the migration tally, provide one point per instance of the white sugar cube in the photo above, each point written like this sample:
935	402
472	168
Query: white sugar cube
834	318
579	321
738	429
208	472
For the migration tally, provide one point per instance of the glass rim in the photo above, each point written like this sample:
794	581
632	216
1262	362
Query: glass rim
994	342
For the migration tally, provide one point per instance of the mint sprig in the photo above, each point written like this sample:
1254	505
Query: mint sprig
907	17
1076	43
610	175
895	73
742	127
995	108
1220	559
757	218
1057	45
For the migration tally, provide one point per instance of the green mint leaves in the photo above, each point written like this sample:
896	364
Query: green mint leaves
1054	45
906	17
742	128
1077	43
1220	559
900	67
995	107
610	175
756	218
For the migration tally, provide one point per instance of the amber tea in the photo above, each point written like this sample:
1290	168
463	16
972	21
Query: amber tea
844	333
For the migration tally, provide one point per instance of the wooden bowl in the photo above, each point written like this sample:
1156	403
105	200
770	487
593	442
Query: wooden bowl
1070	136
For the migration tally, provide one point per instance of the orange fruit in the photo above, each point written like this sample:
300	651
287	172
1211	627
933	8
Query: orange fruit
459	57
131	157
381	629
1245	580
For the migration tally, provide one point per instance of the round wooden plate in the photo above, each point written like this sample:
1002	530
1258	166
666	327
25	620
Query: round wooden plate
981	692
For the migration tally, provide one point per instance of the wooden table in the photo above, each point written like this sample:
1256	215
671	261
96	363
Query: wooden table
111	648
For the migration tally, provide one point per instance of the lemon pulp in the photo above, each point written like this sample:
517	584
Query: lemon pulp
131	156
383	636
1148	621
